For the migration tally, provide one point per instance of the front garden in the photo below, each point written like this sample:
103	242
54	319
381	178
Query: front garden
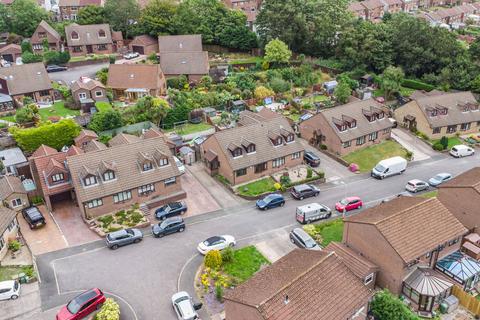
122	219
12	272
257	187
326	232
368	157
189	128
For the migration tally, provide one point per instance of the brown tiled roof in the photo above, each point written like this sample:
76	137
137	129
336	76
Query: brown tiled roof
450	101
94	145
184	63
9	185
372	4
88	34
144	40
128	173
359	265
42	164
43	150
11	48
6	217
210	156
152	133
421	94
181	43
122	138
353	110
140	76
356	6
412	226
25	78
86	133
52	33
87	84
73	150
117	36
79	3
318	285
257	133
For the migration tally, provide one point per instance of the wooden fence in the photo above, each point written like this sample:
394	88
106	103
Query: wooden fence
468	301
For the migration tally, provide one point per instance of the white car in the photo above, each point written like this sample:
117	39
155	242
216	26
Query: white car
180	165
131	55
216	243
184	306
416	185
9	290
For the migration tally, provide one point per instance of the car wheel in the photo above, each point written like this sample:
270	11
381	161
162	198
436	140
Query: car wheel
309	221
265	208
14	297
137	240
160	235
359	207
164	217
282	204
98	306
329	215
316	194
301	198
292	240
114	247
31	227
231	245
382	177
181	229
183	212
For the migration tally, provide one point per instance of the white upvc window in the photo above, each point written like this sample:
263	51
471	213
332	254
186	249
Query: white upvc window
16	202
94	203
122	196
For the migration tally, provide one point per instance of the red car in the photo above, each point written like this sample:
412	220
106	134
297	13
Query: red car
82	305
350	203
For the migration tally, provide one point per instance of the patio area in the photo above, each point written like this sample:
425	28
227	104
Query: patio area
296	174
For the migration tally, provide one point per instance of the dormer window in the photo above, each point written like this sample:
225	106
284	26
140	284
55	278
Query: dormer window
237	152
380	115
442	110
101	33
289	138
90	180
352	124
147	166
278	141
58	177
108	175
342	127
431	112
163	162
251	148
74	35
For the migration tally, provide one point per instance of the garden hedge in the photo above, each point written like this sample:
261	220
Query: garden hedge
418	85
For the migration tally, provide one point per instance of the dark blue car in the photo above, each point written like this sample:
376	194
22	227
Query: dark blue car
170	210
271	201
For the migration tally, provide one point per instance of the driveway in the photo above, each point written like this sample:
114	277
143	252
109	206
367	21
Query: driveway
198	200
45	239
420	149
26	307
333	169
276	245
75	73
69	219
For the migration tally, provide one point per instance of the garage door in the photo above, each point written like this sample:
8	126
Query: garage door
8	57
59	197
138	49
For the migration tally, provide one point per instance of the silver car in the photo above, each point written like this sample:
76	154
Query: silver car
123	237
439	179
416	185
184	306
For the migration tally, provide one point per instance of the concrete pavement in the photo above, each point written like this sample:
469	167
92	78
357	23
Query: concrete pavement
26	307
147	274
420	149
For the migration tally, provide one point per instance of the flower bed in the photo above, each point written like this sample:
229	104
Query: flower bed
122	219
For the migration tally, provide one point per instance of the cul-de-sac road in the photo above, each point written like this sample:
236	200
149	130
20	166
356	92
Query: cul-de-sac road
143	277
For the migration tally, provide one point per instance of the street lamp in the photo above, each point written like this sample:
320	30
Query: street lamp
344	196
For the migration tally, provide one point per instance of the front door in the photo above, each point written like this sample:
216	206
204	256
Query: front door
89	49
426	303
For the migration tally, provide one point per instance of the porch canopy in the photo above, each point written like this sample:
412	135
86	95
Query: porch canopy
459	266
427	283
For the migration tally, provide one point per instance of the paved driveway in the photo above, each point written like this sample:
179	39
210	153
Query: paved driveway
75	73
421	150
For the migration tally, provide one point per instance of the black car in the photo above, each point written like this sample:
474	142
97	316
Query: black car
34	217
299	237
55	68
311	159
170	210
167	226
270	201
303	191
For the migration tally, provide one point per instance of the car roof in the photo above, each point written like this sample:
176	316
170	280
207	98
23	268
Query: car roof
213	239
416	181
352	198
444	174
7	284
118	233
174	219
300	232
460	146
274	195
302	187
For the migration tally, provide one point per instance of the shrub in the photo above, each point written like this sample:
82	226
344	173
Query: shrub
279	85
213	259
227	255
321	174
444	142
136	217
438	146
112	58
104	138
386	306
262	92
37	200
28	270
323	147
14	245
285	180
309	173
113	229
418	85
409	154
110	311
219	292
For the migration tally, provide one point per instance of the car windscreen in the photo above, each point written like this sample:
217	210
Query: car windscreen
380	168
310	243
411	184
344	202
438	177
211	241
79	301
454	149
164	224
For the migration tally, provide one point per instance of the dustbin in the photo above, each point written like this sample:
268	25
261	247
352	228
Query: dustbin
22	278
443	307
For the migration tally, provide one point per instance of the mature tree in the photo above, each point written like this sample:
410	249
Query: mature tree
460	73
262	92
91	15
106	120
28	57
391	81
156	109
25	15
277	52
474	49
26	114
157	17
342	92
4	18
234	33
122	14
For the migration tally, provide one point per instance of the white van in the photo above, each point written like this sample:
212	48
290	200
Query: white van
311	212
389	167
9	290
461	150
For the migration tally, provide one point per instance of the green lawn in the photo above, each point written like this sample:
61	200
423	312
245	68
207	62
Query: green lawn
189	128
257	187
406	92
8	118
245	263
294	116
315	98
368	157
452	141
326	232
6	273
89	57
246	60
103	106
58	109
430	194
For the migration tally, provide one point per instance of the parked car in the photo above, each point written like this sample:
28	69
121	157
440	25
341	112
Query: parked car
416	185
34	217
303	191
461	150
349	203
123	237
170	209
180	165
439	179
168	226
216	243
9	290
389	167
131	55
55	68
271	201
311	159
312	212
300	238
82	305
184	306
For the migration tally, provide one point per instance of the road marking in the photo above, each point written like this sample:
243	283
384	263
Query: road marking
183	269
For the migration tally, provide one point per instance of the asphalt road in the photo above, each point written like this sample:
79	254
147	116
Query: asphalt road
73	74
144	276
